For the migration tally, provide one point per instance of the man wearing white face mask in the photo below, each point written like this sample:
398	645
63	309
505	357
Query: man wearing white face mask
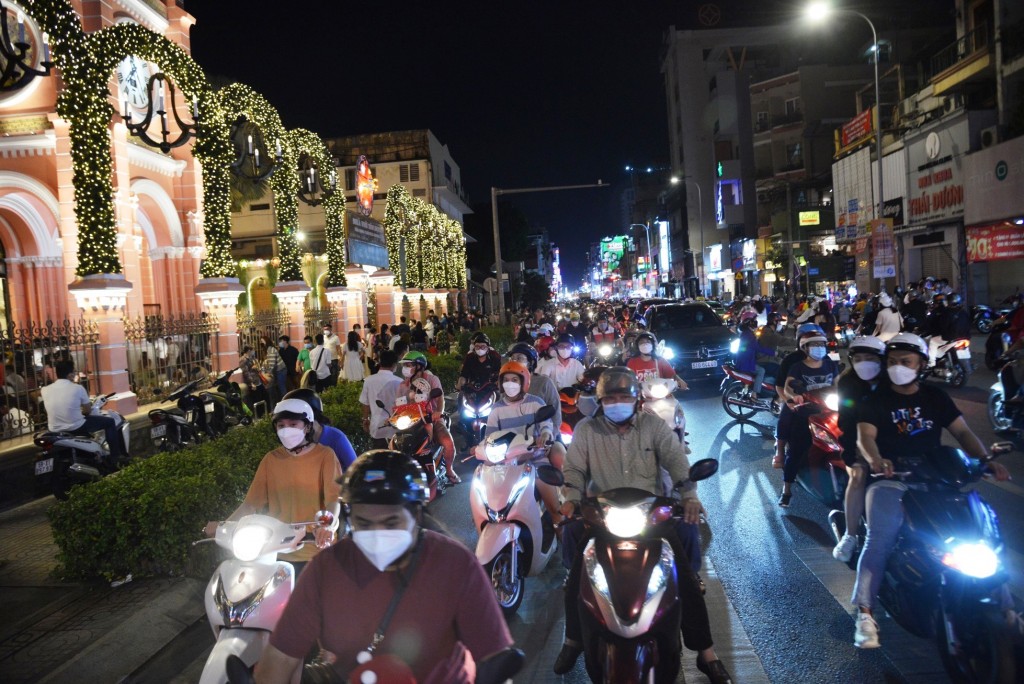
295	480
416	385
480	365
564	370
439	612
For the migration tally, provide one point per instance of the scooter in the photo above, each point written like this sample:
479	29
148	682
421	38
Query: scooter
172	429
517	537
223	405
248	592
997	343
475	404
414	437
952	362
946	579
738	398
657	399
604	354
1000	414
629	599
578	402
823	472
72	458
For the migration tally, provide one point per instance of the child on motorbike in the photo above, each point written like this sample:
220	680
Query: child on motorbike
782	429
855	385
749	348
414	367
646	364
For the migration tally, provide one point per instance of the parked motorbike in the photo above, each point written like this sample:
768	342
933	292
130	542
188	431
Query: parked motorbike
629	600
175	428
1000	414
952	362
946	578
414	436
72	458
578	402
997	343
517	537
223	405
475	404
657	399
248	592
738	398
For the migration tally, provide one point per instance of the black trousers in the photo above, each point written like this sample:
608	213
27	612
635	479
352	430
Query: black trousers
693	617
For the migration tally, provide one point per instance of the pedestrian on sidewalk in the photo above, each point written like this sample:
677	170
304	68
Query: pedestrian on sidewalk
382	386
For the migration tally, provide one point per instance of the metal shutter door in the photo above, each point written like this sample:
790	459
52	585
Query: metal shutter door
936	262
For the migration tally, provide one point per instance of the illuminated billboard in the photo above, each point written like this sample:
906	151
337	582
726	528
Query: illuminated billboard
613	250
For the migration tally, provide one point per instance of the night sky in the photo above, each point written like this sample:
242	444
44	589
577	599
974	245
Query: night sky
523	93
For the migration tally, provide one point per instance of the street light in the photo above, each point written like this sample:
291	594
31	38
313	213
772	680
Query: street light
819	11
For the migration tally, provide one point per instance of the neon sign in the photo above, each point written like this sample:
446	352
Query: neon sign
366	185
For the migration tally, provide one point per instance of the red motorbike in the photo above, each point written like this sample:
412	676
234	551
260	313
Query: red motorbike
823	473
738	398
578	402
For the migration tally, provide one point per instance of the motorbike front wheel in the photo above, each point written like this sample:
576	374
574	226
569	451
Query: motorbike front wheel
959	373
508	590
737	392
997	412
984	325
986	654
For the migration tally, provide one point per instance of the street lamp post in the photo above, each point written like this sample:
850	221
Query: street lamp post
818	11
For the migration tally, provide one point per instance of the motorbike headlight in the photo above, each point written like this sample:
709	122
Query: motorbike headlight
972	559
734	346
566	438
668	353
576	349
468	412
518	488
495	452
403	422
658	391
485	410
832	401
605	350
248	541
823	435
480	490
627	521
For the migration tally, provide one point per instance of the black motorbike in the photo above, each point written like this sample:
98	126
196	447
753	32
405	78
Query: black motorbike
946	578
223	405
982	317
475	404
184	424
997	343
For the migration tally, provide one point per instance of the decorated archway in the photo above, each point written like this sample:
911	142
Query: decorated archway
302	141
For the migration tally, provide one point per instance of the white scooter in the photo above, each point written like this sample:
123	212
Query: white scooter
248	593
517	537
71	458
658	400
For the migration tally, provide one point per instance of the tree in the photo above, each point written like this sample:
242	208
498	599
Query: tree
536	293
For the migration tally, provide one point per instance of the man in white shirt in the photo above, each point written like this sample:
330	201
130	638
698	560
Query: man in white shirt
67	405
333	344
564	369
381	385
320	360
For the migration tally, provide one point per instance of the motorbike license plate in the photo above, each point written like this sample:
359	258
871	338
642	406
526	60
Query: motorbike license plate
963	353
44	466
208	407
158	431
705	364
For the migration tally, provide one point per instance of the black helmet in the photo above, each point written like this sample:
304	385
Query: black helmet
649	336
479	337
565	338
955	299
310	397
526	350
618	380
385	477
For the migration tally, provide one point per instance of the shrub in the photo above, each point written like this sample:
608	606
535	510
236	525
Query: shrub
500	335
446	367
342	408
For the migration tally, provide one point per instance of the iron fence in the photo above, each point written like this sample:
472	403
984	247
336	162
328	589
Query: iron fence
261	329
962	48
167	351
30	353
317	318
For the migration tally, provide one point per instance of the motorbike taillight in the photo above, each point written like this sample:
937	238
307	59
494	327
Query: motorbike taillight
157	416
44	441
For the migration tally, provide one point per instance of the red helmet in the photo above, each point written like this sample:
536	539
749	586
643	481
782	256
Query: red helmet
747	316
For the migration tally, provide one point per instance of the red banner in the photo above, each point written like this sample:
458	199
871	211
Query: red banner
858	127
995	242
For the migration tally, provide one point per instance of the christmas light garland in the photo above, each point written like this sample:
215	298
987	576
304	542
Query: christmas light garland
435	252
307	142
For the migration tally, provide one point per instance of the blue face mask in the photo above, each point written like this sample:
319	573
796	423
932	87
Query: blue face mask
816	353
619	413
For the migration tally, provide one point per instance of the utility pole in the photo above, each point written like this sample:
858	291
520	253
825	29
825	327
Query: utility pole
498	266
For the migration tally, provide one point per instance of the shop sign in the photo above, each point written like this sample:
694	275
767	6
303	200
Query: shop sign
810	218
749	259
893	209
857	128
840	233
993	179
995	242
714	258
935	176
882	248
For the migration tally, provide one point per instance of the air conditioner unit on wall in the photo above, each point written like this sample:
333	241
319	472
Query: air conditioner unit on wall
953	102
989	136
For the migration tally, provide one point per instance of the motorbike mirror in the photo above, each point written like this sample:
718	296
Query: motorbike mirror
436	393
237	671
1001	448
703	469
545	412
551	475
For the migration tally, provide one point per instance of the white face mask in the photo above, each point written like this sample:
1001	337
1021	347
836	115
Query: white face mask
511	389
291	437
408	371
382	547
646	348
901	375
565	353
867	370
481	352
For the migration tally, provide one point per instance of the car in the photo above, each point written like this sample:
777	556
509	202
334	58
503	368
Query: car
691	337
644	304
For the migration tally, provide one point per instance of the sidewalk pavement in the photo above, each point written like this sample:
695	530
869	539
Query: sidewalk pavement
69	632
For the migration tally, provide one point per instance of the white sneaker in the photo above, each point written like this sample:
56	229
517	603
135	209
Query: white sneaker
844	550
866	633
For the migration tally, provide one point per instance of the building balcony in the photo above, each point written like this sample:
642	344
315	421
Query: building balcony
968	58
1012	36
779	120
446	188
732	215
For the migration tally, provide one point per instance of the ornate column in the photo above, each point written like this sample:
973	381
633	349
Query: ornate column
358	283
219	297
383	284
102	299
291	295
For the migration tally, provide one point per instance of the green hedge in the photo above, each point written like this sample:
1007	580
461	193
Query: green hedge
144	519
501	338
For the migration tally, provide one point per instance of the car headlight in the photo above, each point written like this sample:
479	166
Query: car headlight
668	353
734	346
403	422
974	560
248	541
496	452
627	521
832	401
605	350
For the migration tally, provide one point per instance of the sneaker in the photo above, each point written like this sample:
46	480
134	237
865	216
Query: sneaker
866	633
845	549
785	499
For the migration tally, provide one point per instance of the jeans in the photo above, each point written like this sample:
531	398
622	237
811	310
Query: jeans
110	431
758	379
885	517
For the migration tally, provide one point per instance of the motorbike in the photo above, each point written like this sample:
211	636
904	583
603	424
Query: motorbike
604	354
71	458
172	429
657	399
414	437
823	473
475	404
223	405
249	591
952	362
578	402
946	579
997	343
845	332
999	413
517	537
629	599
737	394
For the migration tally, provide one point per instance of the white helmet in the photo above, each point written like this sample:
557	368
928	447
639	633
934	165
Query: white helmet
869	344
908	342
885	300
546	328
